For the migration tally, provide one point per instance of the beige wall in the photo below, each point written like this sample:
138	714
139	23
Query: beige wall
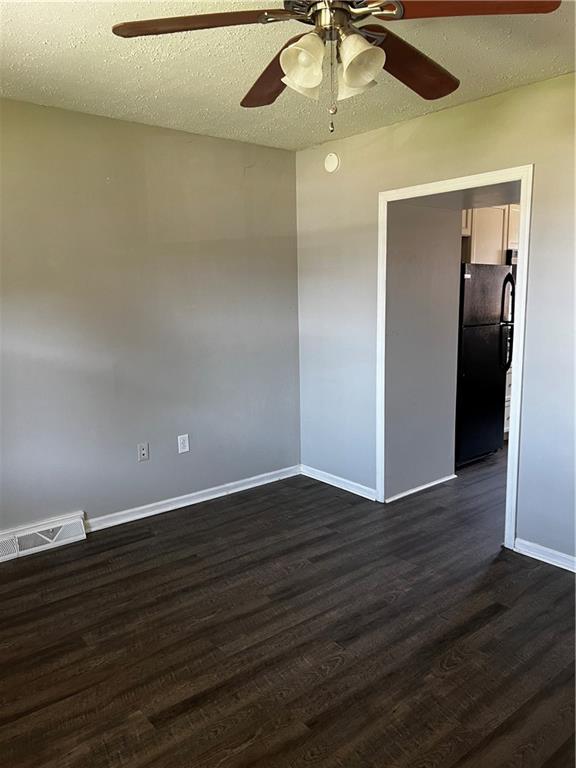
149	289
338	245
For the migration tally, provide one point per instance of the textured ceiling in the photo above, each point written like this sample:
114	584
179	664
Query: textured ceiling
63	54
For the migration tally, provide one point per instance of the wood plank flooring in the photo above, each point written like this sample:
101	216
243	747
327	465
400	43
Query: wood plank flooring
291	626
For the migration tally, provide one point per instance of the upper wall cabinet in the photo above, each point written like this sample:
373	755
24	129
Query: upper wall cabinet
467	222
489	235
513	226
491	231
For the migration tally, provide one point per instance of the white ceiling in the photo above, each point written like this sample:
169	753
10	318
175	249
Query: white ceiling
63	54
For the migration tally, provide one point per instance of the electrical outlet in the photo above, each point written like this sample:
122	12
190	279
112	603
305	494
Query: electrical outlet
143	451
183	444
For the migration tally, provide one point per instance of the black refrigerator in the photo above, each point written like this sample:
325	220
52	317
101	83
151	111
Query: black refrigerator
484	356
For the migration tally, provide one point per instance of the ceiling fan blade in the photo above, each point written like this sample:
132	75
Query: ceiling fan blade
203	21
427	9
412	67
269	85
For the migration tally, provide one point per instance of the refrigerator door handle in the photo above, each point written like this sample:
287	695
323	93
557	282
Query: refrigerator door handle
507	325
506	345
509	347
508	281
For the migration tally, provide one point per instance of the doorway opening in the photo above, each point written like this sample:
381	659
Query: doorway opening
452	284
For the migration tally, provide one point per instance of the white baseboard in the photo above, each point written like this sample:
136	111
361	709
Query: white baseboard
168	505
419	488
338	482
550	556
8	538
45	534
74	528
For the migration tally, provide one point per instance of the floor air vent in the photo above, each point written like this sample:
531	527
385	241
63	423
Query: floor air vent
8	549
45	535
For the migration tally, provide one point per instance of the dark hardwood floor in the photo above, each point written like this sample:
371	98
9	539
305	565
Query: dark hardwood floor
292	625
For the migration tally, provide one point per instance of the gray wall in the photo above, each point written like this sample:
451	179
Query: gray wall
338	247
422	300
149	288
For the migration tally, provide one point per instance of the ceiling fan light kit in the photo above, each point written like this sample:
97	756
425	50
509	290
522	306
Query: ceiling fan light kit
310	93
354	61
302	61
346	91
361	61
355	35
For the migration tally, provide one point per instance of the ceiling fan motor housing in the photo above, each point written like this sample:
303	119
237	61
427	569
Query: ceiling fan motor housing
298	6
303	6
330	15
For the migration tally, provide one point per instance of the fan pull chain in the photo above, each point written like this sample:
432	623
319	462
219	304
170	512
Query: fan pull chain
333	109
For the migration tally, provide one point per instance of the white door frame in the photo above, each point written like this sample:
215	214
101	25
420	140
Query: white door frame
524	175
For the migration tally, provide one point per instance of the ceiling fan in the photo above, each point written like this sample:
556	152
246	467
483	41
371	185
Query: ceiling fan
354	32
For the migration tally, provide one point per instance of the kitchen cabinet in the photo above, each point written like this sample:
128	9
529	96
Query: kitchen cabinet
467	222
489	232
489	235
513	226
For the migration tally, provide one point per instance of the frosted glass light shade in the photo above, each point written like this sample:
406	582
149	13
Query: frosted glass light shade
310	93
345	91
302	61
361	61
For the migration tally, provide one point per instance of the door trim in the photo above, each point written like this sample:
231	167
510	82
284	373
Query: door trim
523	174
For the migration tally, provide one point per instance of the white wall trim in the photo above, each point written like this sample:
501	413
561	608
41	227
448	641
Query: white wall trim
168	505
381	348
513	468
523	174
420	488
546	555
189	499
338	482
